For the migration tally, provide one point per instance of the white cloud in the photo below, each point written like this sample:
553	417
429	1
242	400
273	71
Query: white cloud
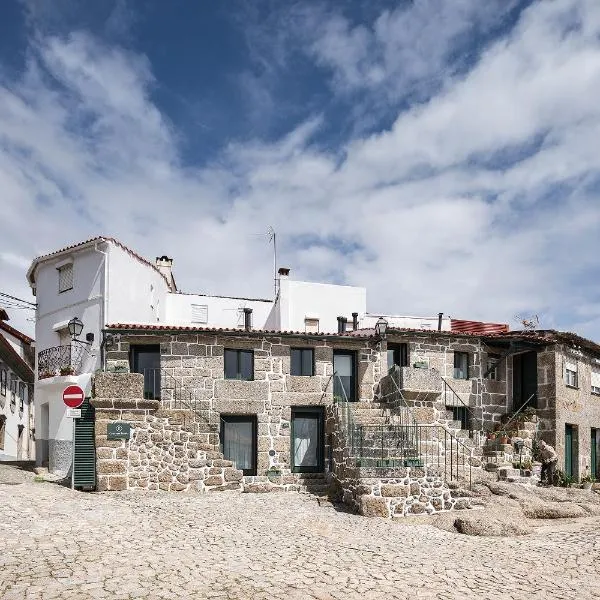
413	213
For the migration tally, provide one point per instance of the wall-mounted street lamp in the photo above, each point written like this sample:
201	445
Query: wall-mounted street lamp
75	326
381	328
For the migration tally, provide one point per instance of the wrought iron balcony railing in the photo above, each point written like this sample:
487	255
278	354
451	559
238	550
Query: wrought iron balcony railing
60	360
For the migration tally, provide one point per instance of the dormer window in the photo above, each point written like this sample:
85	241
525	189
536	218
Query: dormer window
65	277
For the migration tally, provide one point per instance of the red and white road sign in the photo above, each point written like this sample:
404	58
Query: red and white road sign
73	396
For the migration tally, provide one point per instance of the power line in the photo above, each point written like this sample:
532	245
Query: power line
20	300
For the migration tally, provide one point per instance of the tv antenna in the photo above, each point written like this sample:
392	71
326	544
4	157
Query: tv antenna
530	323
273	238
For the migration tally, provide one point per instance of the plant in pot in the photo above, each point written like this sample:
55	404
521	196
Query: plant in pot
504	439
588	481
491	435
67	370
46	373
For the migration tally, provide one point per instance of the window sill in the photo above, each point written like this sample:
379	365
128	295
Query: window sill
573	387
595	393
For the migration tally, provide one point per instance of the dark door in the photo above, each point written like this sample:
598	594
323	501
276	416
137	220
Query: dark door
84	475
307	440
145	359
570	452
239	442
595	454
344	381
525	380
397	354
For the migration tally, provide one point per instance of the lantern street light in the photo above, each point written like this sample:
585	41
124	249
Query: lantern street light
75	326
381	328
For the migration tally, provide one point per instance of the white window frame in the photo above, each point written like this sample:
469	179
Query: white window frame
65	286
571	376
595	380
199	313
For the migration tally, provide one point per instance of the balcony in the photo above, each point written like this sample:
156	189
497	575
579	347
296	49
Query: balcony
61	361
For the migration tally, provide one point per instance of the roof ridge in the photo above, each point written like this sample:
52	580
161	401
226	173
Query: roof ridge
16	333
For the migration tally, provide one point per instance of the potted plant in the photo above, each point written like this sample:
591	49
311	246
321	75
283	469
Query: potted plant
67	370
46	373
491	435
504	439
588	481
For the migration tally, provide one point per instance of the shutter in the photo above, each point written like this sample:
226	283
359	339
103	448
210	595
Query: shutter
595	377
570	366
85	448
65	278
199	313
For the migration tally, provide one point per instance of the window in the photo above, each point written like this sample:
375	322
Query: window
239	364
145	359
397	354
461	365
491	367
13	390
239	441
65	278
21	396
199	313
3	376
302	361
311	325
344	382
307	440
571	373
595	380
2	431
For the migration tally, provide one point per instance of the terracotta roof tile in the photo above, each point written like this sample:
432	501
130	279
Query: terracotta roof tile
10	356
464	326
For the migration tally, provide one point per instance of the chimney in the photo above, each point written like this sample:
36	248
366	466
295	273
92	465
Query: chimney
247	319
283	272
354	321
341	324
165	265
440	315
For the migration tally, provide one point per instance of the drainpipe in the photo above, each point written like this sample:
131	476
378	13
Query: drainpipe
104	316
354	321
440	315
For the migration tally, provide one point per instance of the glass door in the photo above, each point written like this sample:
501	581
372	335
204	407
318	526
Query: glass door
238	442
344	381
307	440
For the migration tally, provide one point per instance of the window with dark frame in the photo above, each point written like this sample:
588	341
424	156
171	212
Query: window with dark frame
461	365
491	370
239	364
302	362
3	375
397	354
13	390
21	396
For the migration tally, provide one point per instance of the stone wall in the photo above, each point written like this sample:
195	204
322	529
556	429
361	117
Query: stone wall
399	492
166	450
194	363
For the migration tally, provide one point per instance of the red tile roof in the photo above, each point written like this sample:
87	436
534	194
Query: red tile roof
100	238
478	327
16	333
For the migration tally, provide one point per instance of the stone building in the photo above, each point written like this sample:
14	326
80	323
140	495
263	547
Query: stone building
268	403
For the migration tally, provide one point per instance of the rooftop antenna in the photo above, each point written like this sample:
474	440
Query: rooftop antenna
529	323
273	238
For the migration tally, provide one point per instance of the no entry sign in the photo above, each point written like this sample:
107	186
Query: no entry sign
73	396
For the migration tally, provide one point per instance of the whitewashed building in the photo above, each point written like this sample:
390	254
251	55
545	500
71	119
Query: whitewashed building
16	393
101	281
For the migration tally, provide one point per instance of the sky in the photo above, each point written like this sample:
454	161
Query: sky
442	154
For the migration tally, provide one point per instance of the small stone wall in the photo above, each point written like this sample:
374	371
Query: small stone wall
400	492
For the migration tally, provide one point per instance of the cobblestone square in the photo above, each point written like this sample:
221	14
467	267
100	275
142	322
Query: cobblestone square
56	543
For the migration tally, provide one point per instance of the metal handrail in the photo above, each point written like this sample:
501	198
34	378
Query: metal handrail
523	407
470	413
67	358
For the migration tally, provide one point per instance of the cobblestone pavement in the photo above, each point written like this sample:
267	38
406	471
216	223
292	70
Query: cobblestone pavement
55	543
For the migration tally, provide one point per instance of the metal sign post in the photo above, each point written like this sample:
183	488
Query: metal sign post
73	459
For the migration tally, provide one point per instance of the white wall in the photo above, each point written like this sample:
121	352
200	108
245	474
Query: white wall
221	311
136	292
323	301
403	322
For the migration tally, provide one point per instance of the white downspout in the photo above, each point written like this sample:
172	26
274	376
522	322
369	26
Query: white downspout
104	319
